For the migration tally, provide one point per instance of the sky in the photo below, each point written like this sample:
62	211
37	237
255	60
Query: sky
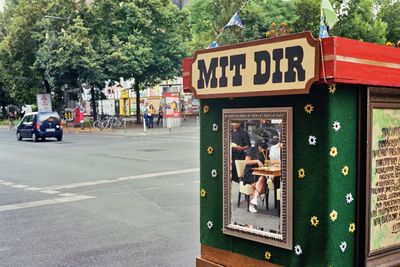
2	4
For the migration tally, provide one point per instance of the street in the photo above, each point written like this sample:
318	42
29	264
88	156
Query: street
100	200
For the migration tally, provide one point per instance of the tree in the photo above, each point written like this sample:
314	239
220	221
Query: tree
390	13
139	39
18	50
68	59
308	12
358	21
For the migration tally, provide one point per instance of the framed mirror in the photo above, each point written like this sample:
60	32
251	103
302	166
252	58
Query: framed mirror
257	160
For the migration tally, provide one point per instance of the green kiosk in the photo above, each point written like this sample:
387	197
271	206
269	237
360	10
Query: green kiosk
299	152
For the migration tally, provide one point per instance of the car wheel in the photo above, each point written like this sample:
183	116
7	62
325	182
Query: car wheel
59	138
43	138
19	138
34	137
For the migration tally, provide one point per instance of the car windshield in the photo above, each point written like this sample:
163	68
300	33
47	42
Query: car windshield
51	116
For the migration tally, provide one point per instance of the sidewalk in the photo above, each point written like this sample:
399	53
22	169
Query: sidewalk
188	126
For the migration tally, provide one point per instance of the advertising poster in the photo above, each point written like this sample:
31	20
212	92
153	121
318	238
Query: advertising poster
172	105
385	180
44	103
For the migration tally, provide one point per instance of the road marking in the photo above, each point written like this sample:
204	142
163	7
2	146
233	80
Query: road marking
135	177
20	186
7	183
127	157
1	181
51	192
150	189
67	194
32	188
39	203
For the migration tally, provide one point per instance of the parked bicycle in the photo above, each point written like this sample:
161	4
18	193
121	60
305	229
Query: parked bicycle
109	122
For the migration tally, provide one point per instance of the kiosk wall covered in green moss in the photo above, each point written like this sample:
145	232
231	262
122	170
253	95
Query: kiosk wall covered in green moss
327	190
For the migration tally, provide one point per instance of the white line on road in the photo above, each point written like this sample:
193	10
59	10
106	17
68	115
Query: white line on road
135	177
150	189
20	186
51	192
7	183
43	202
67	194
32	188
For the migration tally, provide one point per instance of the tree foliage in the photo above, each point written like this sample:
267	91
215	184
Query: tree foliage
89	43
357	19
208	18
390	14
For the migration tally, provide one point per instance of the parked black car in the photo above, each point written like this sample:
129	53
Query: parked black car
40	125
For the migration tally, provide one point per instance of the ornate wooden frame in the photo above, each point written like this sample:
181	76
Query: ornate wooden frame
381	98
283	240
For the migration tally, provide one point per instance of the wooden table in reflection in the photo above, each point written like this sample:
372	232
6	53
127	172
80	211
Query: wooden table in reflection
274	170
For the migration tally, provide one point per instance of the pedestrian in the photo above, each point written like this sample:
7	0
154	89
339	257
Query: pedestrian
183	111
160	115
11	118
23	111
146	114
150	115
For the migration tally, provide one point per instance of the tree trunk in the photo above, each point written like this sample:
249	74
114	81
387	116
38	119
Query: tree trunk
47	86
137	90
93	102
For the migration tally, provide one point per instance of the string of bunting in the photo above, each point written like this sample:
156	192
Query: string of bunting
234	21
327	21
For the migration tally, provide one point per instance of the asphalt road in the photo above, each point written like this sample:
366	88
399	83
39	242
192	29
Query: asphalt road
100	200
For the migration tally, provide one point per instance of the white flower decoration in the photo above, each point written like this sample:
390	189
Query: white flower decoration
215	127
343	246
214	173
349	198
336	126
297	250
210	225
312	140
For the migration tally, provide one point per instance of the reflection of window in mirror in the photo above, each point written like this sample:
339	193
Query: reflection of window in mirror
256	165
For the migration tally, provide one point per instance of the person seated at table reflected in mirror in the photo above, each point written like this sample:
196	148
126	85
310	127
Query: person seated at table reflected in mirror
256	157
275	158
240	142
275	153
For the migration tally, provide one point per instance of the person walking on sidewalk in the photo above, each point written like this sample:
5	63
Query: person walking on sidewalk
160	115
146	114
150	115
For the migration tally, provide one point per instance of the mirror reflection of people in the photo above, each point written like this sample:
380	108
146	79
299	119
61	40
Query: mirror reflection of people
256	157
275	157
240	142
275	153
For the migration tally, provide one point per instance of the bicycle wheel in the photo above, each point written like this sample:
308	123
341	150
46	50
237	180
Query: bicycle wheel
107	124
97	124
